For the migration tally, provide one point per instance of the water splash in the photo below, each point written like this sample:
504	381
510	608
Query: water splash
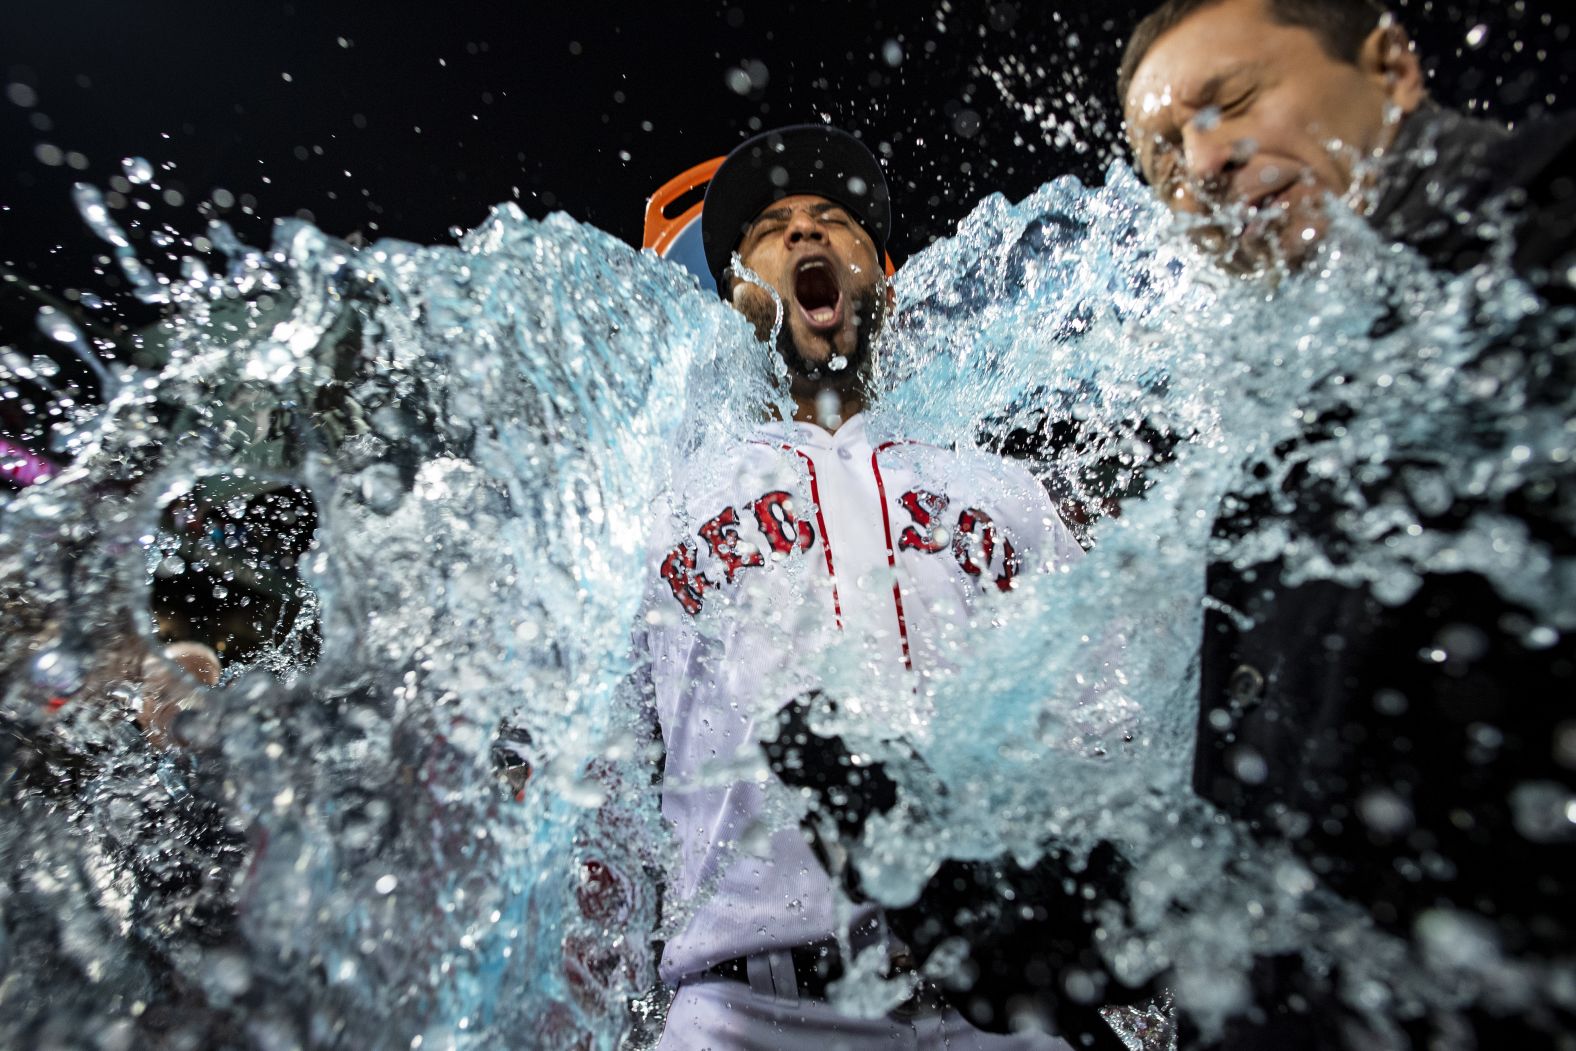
90	205
1151	384
483	431
328	852
744	273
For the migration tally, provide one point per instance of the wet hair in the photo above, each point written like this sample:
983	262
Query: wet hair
1340	25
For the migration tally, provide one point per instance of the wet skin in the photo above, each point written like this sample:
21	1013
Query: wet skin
1230	107
821	262
166	691
834	293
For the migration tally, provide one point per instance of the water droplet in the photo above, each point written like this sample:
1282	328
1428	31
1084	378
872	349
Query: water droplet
57	327
1248	765
380	487
1385	812
138	170
1544	812
90	205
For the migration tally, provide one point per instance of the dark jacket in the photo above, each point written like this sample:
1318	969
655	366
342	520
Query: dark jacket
1402	750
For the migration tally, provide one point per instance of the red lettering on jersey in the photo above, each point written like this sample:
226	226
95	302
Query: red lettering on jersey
688	584
722	536
967	522
974	520
783	531
1009	566
923	508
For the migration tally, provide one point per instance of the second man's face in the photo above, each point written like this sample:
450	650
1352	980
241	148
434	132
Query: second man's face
826	270
1232	108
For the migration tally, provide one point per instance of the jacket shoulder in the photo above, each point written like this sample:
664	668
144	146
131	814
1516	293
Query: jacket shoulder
1538	164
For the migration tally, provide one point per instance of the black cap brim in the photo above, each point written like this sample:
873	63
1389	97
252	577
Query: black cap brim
801	159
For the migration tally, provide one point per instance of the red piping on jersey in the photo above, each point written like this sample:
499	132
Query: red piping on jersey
886	523
820	521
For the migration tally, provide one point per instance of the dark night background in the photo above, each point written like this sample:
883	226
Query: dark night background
410	120
405	119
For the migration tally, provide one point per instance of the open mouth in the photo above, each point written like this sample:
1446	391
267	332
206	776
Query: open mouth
817	295
1268	211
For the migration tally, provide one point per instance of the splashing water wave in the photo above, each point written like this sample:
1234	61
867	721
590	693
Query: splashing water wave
1072	722
486	431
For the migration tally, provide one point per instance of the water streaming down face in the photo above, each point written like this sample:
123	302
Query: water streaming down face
485	432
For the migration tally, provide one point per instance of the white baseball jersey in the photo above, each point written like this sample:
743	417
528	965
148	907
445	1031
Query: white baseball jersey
810	551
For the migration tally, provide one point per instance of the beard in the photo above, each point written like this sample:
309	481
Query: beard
858	373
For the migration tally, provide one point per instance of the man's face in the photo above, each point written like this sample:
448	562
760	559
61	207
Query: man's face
1231	108
825	268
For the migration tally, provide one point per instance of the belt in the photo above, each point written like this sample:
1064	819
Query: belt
815	967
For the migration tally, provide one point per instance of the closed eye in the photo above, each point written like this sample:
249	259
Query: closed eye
1236	104
763	228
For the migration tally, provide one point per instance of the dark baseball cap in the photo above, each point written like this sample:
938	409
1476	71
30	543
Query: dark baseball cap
799	159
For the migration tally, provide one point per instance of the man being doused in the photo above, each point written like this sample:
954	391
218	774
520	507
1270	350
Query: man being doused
1259	116
831	311
1397	745
1415	754
810	553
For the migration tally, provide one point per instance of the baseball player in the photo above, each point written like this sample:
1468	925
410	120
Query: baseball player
818	557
